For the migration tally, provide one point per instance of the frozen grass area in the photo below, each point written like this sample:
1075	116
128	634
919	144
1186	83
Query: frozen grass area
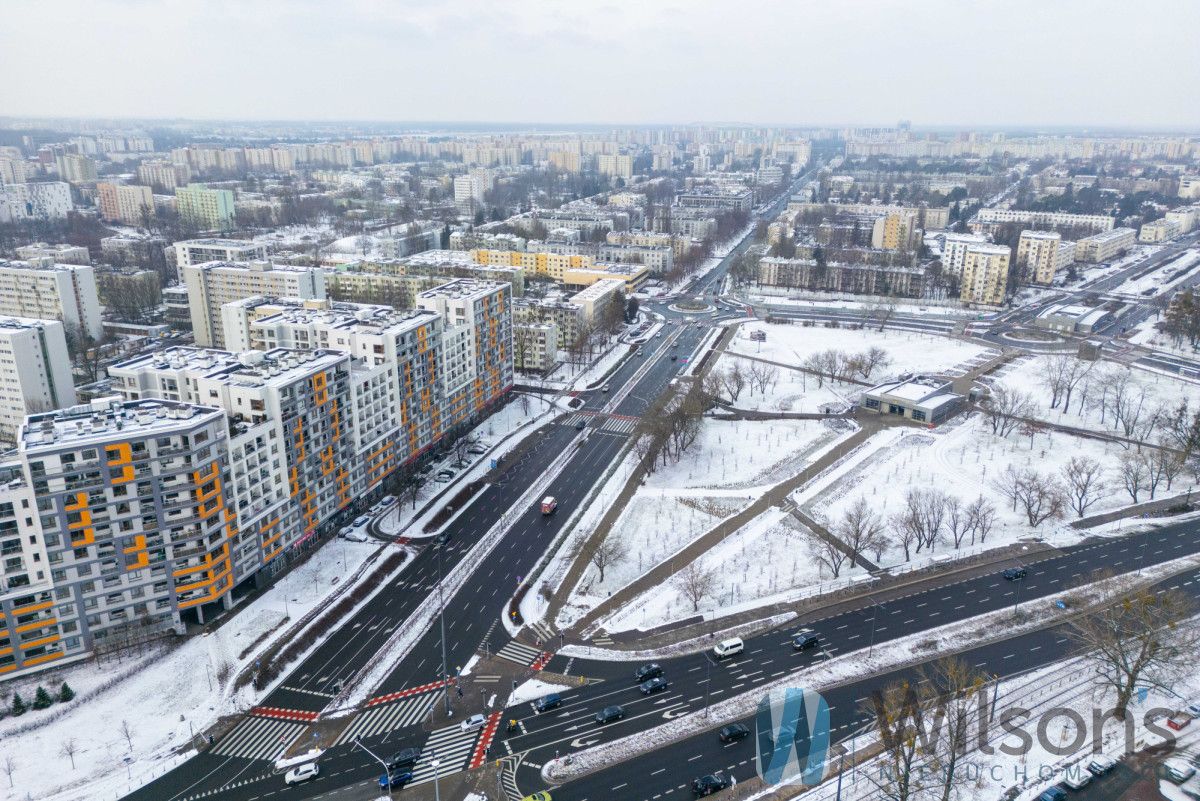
909	351
794	391
166	695
1110	397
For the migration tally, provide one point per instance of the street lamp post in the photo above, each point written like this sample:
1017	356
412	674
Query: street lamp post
707	681
437	792
387	774
442	619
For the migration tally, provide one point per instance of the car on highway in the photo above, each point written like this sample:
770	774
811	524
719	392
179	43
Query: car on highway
727	648
1100	765
609	714
395	778
547	702
674	358
650	671
582	424
712	783
805	639
1014	573
301	773
654	685
733	733
444	476
473	723
404	758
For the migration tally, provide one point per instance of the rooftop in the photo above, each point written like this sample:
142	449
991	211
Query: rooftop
24	323
43	265
251	368
100	420
462	288
220	243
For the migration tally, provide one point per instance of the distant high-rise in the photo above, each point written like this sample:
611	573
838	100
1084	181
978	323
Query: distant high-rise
37	371
44	290
129	204
210	286
204	208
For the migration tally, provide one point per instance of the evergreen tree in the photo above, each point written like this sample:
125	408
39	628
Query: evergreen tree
42	699
65	693
18	706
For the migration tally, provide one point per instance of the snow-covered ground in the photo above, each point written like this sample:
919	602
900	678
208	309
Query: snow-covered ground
909	351
1161	279
1094	272
166	696
1093	398
793	391
294	236
946	308
1147	334
532	690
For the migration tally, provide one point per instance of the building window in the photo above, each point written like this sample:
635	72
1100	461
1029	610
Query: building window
917	414
872	403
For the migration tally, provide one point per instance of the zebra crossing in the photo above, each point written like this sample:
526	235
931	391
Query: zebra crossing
519	652
575	419
451	746
389	717
259	738
542	629
622	425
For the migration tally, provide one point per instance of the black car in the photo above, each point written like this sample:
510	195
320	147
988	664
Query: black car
651	671
707	785
674	357
580	425
1014	573
802	640
654	685
546	702
609	714
405	758
733	733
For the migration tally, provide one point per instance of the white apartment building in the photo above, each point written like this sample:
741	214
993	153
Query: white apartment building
1159	230
1187	218
1105	246
35	371
74	168
163	175
985	275
45	200
61	253
1041	254
954	250
617	166
212	285
44	290
987	220
201	251
535	346
1189	187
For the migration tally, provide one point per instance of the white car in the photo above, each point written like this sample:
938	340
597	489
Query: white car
301	773
355	535
1077	778
474	722
1101	765
1178	770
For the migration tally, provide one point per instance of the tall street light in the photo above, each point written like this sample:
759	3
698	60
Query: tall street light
387	774
435	763
442	618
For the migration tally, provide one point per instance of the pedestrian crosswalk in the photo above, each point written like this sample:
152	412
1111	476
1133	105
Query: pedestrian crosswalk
451	746
542	629
519	652
574	420
389	717
623	425
259	738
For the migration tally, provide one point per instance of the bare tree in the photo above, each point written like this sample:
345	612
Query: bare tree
959	690
603	553
1007	484
1031	428
9	766
126	732
735	381
1084	481
695	583
860	529
1133	475
1170	463
412	488
1005	409
1145	639
1041	497
957	521
981	517
897	713
872	359
829	553
69	748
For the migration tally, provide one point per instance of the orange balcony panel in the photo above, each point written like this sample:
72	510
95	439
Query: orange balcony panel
35	625
271	540
29	609
80	502
37	660
139	544
42	641
86	537
143	560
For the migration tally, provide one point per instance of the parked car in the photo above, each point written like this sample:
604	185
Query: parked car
396	778
1014	573
712	783
547	702
301	773
1178	770
654	685
477	450
361	522
1101	765
609	714
1055	793
1077	779
404	758
444	476
805	639
473	723
1193	709
386	501
356	535
650	671
733	733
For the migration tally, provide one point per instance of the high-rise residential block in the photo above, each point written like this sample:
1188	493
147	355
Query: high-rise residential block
212	285
126	203
44	290
43	200
204	208
985	275
1041	254
35	371
61	252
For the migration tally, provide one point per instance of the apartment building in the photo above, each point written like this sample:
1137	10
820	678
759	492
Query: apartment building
954	249
1159	231
570	269
555	310
13	170
164	176
615	166
535	346
44	200
141	249
1186	217
61	253
927	218
651	239
75	168
44	290
897	230
858	279
1041	254
204	208
190	252
717	199
212	285
988	220
35	371
985	275
659	260
1189	187
124	203
1105	246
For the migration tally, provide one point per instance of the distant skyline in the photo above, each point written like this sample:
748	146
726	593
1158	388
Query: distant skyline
941	63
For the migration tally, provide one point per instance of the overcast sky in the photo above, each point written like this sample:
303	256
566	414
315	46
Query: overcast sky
936	62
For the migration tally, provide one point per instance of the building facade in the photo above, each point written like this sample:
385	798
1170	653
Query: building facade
1105	246
985	275
125	203
35	371
210	286
204	208
1042	254
44	290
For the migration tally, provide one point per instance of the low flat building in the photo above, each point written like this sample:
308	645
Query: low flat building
1073	318
922	400
61	253
1105	246
1159	231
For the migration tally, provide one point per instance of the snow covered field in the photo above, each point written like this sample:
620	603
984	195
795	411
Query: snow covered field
909	351
944	308
1165	277
1141	393
1146	334
166	696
